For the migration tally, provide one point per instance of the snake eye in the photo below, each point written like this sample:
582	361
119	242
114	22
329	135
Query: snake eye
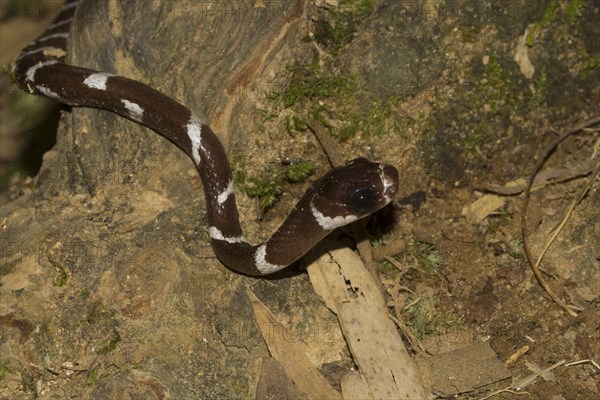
362	200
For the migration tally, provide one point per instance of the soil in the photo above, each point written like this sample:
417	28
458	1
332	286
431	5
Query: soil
109	288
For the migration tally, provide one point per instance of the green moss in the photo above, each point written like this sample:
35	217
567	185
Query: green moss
420	256
589	66
428	258
28	383
97	314
92	376
379	119
102	328
387	268
495	95
84	294
334	28
516	247
496	221
334	32
570	12
295	123
425	318
548	16
269	115
358	8
466	122
470	34
308	84
63	277
530	40
329	98
574	10
298	172
111	345
497	87
4	370
332	99
420	315
269	187
326	98
539	98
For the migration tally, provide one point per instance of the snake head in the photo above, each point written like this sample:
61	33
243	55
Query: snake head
353	191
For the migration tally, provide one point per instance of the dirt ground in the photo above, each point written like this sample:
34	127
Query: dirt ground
463	97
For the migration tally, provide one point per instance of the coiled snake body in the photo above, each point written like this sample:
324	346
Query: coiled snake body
341	196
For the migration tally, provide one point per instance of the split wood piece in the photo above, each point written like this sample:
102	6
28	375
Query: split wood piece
290	354
365	250
385	370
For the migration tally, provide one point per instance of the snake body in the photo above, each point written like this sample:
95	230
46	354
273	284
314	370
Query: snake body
341	196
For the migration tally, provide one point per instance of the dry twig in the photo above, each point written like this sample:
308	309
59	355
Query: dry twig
533	264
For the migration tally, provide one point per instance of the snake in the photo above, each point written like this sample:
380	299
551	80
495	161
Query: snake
341	196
